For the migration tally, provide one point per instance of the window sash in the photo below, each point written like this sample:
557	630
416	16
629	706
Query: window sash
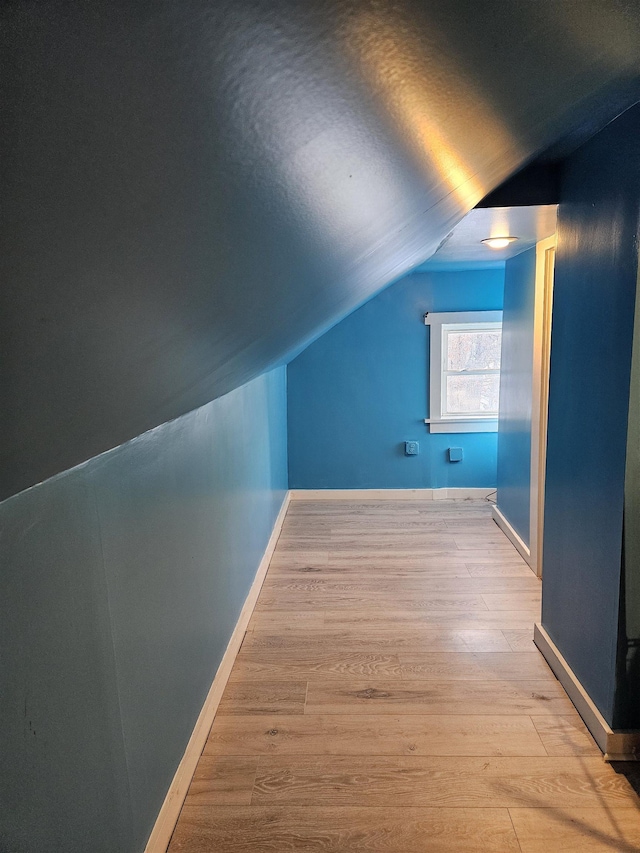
488	414
470	329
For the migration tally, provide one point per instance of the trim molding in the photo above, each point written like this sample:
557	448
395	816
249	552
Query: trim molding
390	494
543	306
511	534
616	745
168	815
458	426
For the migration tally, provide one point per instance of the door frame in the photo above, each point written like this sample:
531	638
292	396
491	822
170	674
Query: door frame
543	307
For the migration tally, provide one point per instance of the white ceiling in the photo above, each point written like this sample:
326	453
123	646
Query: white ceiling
463	245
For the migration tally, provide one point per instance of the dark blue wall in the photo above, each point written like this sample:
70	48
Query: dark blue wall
628	683
516	382
360	391
594	297
121	583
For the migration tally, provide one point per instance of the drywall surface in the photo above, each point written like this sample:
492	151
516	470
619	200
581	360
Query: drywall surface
516	382
121	583
361	390
591	345
191	190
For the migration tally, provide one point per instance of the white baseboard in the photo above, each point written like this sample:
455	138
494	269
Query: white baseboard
511	534
390	494
168	816
616	745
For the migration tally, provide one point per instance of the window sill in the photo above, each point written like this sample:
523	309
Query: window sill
461	425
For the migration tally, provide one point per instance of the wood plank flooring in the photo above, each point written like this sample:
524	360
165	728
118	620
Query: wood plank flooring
388	698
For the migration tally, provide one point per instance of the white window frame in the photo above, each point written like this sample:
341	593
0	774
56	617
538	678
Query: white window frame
440	325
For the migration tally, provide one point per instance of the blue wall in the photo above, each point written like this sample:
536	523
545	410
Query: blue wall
360	391
628	686
121	583
516	380
594	297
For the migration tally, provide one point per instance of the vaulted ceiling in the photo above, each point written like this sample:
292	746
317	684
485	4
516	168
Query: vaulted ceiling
193	189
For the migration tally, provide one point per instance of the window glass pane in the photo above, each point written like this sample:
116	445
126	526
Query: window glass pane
474	350
472	394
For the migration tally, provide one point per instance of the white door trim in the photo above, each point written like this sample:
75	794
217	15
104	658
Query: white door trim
545	259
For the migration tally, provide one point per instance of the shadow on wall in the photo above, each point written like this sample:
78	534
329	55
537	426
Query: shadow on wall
627	696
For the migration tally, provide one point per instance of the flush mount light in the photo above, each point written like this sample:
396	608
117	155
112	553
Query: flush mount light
498	242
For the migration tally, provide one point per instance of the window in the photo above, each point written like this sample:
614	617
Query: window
464	371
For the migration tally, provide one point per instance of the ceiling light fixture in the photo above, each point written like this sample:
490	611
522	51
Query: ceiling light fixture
498	242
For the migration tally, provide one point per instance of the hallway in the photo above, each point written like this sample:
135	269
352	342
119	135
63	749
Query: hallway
388	697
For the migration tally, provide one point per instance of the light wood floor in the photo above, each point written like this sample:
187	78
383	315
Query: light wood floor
388	698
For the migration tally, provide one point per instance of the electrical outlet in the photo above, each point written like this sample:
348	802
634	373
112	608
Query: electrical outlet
411	448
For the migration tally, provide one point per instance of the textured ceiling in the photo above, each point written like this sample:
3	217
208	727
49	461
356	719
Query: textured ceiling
192	190
464	246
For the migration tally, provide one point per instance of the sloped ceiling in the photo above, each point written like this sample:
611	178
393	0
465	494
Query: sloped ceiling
192	190
463	248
